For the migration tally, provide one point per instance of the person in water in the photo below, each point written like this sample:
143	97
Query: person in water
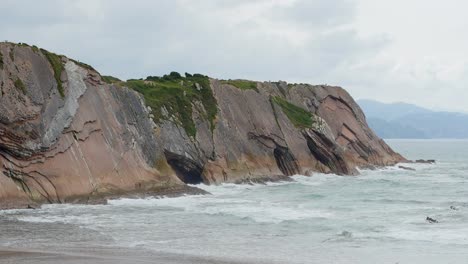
431	220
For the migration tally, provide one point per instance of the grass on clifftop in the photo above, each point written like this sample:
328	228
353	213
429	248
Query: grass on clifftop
242	84
54	60
84	65
176	94
300	117
56	63
110	79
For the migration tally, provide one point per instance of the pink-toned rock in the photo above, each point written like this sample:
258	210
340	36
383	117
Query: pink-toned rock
95	141
99	140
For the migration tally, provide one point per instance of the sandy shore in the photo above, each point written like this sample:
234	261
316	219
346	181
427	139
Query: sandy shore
102	256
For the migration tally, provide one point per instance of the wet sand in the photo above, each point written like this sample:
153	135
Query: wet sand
102	256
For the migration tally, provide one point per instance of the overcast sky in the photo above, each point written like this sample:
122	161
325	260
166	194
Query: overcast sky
400	50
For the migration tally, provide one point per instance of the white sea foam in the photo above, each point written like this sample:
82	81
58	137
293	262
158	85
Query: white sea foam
259	211
381	209
433	234
316	179
80	219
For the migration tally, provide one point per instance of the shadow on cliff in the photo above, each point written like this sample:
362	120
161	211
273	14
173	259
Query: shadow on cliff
186	169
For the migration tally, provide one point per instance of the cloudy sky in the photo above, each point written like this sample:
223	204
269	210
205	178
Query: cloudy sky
401	50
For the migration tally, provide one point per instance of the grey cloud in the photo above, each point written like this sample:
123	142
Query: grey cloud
137	38
294	40
318	13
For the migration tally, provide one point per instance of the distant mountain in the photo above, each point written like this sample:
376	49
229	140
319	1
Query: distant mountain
402	120
392	129
389	112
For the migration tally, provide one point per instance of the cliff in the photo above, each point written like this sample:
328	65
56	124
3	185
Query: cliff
68	134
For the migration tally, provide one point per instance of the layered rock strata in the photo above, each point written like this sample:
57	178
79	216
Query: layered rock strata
66	135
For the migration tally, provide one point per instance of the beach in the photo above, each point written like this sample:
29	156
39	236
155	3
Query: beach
376	217
102	256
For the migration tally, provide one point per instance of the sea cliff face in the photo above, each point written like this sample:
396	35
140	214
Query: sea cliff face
67	135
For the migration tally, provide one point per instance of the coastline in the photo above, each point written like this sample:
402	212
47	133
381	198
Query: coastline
102	255
101	198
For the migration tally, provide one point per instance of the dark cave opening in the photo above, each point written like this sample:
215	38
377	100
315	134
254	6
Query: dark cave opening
186	169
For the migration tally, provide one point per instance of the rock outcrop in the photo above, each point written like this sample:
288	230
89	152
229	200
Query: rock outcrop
66	135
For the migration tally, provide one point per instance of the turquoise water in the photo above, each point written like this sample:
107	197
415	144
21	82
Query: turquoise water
377	217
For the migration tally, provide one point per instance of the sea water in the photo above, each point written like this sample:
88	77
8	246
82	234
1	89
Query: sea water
376	217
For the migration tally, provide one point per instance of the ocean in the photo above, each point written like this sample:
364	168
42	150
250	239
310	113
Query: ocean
376	217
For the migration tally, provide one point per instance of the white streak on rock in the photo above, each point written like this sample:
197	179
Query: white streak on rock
76	88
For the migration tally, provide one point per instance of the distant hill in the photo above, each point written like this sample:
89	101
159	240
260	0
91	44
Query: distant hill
392	129
402	120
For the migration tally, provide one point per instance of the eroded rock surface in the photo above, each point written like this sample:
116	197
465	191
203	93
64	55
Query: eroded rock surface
100	139
96	140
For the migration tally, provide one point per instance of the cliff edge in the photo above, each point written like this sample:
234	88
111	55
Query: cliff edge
69	134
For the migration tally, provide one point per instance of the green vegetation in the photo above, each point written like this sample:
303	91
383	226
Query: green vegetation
84	65
20	85
300	117
54	60
173	76
110	79
56	63
177	95
22	44
242	84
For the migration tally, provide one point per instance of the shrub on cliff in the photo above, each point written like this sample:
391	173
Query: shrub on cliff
153	78
172	76
20	85
177	94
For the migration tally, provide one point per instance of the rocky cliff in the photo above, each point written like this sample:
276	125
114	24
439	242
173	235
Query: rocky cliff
68	134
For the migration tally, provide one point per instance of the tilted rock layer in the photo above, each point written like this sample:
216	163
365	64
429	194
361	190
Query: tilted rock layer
95	139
